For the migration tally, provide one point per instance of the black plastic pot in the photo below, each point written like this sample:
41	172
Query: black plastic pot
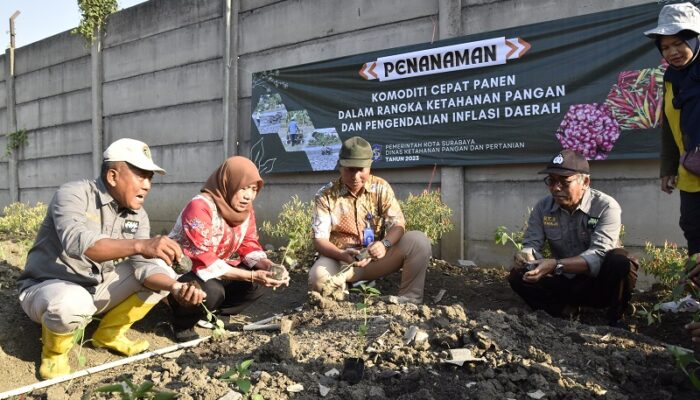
353	370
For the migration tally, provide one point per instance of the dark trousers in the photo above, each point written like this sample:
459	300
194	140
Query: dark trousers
612	288
227	297
690	220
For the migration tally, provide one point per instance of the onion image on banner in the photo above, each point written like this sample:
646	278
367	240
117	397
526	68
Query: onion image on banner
589	129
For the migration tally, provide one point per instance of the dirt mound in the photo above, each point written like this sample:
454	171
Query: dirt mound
477	342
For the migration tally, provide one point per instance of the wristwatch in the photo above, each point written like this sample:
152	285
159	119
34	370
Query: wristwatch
559	268
386	243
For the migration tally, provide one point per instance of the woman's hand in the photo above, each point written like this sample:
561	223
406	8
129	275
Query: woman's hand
668	183
266	278
264	264
693	270
694	329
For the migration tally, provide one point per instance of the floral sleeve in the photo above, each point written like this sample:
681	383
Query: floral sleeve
250	250
197	240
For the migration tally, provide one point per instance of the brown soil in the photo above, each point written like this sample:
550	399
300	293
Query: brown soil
519	354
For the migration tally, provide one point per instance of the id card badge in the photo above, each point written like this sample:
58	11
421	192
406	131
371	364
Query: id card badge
130	226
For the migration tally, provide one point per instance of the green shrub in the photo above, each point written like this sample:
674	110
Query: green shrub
428	214
665	263
294	221
21	221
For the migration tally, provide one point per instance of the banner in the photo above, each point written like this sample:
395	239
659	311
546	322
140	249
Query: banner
591	83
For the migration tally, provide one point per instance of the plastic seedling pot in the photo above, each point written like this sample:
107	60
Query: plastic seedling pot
278	270
353	370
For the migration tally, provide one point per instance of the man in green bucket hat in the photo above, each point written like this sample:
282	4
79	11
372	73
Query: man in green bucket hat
357	219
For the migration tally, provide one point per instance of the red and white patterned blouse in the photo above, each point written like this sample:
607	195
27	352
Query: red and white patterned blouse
213	246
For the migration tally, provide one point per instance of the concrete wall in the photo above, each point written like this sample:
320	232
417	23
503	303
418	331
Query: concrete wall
177	73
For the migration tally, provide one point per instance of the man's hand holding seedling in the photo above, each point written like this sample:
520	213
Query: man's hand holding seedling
187	293
356	258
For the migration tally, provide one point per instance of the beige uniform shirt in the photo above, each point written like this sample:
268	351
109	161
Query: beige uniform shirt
342	217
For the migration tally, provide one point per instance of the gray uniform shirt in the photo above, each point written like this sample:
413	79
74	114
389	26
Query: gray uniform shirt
590	231
80	214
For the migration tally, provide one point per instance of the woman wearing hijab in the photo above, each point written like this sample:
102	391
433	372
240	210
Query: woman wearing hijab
217	231
676	37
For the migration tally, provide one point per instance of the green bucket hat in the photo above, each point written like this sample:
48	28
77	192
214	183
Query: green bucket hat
356	153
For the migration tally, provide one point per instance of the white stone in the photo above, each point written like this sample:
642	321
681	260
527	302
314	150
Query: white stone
410	334
537	394
332	373
231	396
296	388
323	390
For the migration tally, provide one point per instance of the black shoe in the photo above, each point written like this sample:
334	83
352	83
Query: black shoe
185	335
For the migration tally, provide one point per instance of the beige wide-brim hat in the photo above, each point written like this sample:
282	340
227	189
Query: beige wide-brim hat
674	18
134	152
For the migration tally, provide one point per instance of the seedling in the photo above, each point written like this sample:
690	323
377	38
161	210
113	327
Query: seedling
79	337
130	391
219	331
240	377
502	237
367	292
686	361
653	316
290	250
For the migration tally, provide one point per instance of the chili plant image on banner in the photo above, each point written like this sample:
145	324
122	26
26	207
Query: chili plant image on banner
636	100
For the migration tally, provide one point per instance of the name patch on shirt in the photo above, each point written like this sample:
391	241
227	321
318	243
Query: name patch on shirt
549	220
592	223
130	226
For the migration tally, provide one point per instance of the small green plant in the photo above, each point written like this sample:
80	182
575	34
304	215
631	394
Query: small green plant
79	337
686	361
93	17
667	263
219	332
503	237
652	316
289	250
366	292
240	377
427	213
21	221
15	140
130	391
294	224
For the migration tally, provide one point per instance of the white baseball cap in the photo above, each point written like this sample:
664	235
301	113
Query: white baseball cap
134	152
674	18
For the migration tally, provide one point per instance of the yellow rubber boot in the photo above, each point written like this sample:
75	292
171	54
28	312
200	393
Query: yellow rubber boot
117	321
54	353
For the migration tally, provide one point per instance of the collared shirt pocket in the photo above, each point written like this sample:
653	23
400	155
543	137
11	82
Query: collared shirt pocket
552	233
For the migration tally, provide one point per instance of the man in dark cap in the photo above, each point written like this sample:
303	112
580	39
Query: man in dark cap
582	228
358	211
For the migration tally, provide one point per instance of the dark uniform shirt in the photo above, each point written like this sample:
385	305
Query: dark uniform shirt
590	231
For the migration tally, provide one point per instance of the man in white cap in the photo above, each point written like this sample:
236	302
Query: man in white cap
94	255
